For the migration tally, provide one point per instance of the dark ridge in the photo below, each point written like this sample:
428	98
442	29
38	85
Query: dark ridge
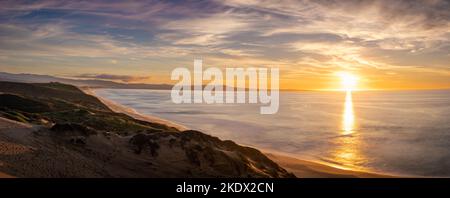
60	91
20	103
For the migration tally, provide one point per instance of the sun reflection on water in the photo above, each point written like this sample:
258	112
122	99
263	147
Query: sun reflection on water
348	116
348	150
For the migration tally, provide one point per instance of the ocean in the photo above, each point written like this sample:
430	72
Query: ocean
403	133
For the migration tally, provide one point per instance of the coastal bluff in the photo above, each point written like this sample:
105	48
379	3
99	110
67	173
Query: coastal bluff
57	130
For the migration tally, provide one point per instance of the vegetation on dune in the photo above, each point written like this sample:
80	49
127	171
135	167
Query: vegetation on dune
52	92
55	103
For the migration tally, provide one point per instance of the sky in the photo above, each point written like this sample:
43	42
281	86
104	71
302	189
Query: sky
402	44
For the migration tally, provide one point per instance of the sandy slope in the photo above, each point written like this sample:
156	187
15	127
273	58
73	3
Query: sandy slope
26	148
33	151
301	168
4	175
9	128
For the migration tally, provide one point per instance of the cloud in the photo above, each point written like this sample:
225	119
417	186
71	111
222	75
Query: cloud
367	20
302	36
214	24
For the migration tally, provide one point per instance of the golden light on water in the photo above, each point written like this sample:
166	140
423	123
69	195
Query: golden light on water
348	150
347	153
348	116
349	83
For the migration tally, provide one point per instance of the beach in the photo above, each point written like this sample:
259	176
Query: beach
299	167
118	108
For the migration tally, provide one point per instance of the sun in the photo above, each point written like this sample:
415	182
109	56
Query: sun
348	81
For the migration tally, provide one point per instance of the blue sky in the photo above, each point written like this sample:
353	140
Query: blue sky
397	44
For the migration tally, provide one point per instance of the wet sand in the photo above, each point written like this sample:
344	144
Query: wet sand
308	169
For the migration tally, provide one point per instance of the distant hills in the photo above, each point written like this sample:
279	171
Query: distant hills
36	78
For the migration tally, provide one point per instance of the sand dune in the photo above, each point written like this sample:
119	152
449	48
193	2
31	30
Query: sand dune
24	150
71	134
4	175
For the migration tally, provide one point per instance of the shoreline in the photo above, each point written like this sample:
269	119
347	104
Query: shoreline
299	167
311	169
118	108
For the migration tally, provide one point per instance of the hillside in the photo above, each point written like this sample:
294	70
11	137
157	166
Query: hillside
56	130
96	83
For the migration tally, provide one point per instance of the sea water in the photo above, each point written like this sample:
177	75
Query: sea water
395	132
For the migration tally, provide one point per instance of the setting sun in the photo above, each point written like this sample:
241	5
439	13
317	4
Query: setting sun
348	81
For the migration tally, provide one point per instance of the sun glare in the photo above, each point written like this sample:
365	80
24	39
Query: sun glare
348	81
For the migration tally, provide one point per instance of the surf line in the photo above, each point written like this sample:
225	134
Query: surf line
231	88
